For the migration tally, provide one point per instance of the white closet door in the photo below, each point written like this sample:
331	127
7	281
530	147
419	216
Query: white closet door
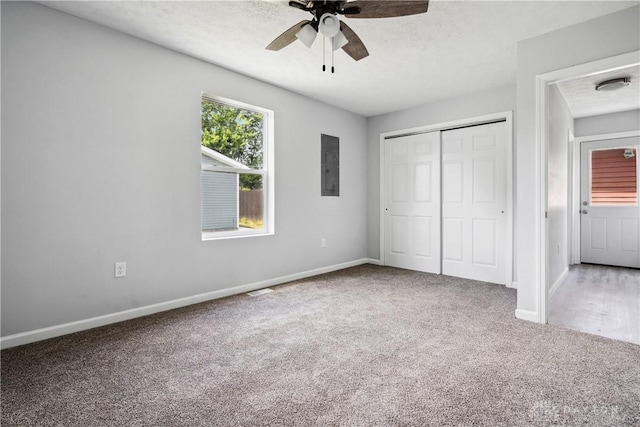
474	202
412	202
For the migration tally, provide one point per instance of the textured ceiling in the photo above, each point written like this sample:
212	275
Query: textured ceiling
585	101
458	47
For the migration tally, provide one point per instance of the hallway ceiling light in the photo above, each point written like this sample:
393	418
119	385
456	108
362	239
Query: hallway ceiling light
613	84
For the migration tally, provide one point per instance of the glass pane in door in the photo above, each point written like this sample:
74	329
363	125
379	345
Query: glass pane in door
614	177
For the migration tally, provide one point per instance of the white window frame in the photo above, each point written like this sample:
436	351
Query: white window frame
267	173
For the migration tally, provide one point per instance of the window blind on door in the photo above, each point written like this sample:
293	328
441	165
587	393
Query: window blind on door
614	177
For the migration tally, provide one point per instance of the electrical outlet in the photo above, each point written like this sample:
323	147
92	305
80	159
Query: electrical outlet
121	269
323	243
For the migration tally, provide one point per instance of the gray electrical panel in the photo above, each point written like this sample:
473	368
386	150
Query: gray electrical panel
330	165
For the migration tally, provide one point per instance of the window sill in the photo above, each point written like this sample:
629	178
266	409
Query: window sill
235	234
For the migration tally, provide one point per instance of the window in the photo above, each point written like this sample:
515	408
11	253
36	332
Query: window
614	177
236	169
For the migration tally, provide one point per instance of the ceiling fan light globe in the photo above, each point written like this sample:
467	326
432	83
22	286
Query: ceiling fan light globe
307	35
339	40
329	25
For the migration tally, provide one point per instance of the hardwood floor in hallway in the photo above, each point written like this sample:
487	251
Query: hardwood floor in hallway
599	300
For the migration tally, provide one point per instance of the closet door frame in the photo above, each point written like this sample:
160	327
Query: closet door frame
506	116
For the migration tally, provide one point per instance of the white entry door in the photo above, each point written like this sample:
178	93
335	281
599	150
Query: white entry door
474	202
609	220
412	202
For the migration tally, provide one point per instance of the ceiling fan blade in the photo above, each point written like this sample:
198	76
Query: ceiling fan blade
288	37
386	9
355	48
349	9
299	4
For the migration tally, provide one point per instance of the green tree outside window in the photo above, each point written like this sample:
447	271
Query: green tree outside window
237	134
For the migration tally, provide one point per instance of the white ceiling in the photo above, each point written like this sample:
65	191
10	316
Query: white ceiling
585	101
458	47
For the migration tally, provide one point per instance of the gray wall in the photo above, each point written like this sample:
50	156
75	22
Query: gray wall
494	101
560	124
589	41
101	163
608	123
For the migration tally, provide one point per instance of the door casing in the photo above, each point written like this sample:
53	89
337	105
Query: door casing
543	81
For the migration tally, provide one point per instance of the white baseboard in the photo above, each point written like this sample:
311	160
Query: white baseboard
512	285
374	261
94	322
531	316
556	284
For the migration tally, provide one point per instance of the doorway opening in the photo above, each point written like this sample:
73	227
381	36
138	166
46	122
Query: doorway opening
567	281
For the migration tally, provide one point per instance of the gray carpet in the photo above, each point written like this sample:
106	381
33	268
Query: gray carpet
366	346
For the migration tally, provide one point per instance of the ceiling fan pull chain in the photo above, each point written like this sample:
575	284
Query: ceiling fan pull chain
323	54
332	56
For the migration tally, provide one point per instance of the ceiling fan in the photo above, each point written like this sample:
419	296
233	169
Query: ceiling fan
325	21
